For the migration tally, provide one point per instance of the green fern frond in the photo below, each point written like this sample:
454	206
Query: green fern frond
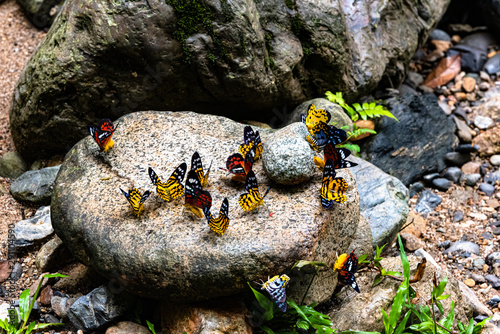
352	147
372	110
360	131
302	324
337	98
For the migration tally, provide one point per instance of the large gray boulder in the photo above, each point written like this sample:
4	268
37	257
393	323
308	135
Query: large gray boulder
234	58
383	200
167	254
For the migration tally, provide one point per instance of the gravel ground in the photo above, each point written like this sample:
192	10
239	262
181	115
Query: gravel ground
18	40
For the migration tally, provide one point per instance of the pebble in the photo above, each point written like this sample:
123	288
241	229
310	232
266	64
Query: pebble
456	158
495	160
491	178
469	84
458	216
486	236
429	177
442	184
463	246
493	302
483	122
495	231
427	201
439	35
463	130
470	282
472	179
441	230
445	244
493	280
487	188
493	258
492	66
478	278
416	188
471	167
467	148
454	174
479	263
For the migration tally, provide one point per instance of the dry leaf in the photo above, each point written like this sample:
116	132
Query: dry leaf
420	271
444	72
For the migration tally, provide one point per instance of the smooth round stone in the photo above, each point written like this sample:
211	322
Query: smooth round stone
492	65
479	263
493	280
287	157
471	167
456	158
166	253
471	179
454	174
487	188
439	35
495	160
458	216
463	246
442	184
483	122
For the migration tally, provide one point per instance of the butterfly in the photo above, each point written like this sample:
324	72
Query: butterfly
218	225
135	199
102	134
198	168
239	166
275	286
347	265
337	155
251	140
332	188
173	188
324	134
251	200
315	116
196	198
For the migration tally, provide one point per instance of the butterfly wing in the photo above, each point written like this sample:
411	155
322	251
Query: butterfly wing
275	286
258	146
249	159
315	116
336	135
221	223
337	188
197	166
234	164
348	269
193	188
252	199
135	199
105	125
328	176
174	185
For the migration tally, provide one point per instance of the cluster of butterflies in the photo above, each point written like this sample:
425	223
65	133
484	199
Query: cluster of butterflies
324	136
197	200
346	265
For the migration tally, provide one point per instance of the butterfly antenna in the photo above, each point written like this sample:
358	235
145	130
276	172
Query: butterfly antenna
209	167
268	188
225	170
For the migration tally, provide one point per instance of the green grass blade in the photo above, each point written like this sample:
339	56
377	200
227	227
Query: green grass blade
24	305
151	327
265	303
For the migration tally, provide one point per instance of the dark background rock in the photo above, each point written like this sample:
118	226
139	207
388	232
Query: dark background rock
417	144
41	12
105	59
490	14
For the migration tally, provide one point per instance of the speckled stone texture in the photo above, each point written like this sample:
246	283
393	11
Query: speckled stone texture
166	254
288	157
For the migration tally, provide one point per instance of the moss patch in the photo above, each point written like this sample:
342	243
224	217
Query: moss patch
193	16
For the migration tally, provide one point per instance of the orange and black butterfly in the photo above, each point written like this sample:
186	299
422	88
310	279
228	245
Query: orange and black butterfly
251	200
196	198
332	188
314	117
251	139
136	199
218	225
275	286
337	155
197	166
173	188
347	265
102	134
239	166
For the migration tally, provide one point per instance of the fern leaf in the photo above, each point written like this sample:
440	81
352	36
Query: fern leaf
352	147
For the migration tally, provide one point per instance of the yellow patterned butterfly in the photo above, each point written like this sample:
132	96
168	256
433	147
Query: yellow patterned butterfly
251	139
135	199
332	188
314	117
218	225
251	200
173	188
197	166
